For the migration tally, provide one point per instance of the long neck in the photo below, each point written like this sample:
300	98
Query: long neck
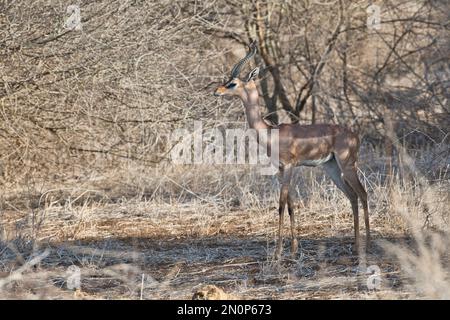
250	98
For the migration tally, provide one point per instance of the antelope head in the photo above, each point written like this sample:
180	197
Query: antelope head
235	86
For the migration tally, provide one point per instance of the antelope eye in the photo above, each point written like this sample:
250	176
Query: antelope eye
231	85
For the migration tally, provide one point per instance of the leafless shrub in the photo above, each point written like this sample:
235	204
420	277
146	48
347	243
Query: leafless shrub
86	116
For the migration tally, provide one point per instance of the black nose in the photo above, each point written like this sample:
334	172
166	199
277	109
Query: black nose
216	94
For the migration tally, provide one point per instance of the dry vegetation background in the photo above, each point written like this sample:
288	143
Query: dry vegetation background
86	178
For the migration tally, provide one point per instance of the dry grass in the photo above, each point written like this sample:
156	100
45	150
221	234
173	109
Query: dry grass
190	230
85	120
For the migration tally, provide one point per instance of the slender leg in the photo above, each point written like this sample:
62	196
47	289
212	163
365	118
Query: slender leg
285	182
354	204
333	170
349	174
280	229
294	244
366	221
351	177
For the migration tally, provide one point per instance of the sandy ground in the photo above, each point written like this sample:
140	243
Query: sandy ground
150	251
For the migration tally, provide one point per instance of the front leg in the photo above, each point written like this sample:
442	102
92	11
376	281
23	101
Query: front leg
280	230
284	194
294	243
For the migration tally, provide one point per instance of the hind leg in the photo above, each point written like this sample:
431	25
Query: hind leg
334	172
350	176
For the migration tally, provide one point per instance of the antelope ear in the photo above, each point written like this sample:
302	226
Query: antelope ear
253	74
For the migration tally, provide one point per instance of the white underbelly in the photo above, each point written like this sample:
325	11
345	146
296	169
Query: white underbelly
315	162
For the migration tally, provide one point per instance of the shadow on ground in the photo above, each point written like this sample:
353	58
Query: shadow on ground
167	267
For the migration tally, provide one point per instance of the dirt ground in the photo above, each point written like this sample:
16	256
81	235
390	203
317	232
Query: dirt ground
148	251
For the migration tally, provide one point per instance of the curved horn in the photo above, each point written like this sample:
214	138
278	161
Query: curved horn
238	66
